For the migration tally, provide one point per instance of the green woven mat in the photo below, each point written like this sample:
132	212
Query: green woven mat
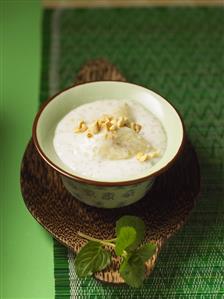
178	52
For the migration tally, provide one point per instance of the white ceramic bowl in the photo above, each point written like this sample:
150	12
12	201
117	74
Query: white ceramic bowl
106	194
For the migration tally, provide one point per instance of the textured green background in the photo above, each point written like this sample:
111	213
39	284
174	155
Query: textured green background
179	53
26	249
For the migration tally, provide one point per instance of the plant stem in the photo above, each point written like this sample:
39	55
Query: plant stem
124	254
111	240
104	242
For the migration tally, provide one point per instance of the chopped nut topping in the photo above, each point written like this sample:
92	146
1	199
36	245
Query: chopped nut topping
112	128
114	121
105	118
136	127
108	122
102	121
95	127
122	121
82	127
147	156
89	135
141	157
154	154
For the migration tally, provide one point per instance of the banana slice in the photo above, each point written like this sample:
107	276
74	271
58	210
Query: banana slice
125	144
124	111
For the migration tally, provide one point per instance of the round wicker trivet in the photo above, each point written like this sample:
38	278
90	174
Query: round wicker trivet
164	209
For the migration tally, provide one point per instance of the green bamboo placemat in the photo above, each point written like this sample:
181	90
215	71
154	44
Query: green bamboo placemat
177	52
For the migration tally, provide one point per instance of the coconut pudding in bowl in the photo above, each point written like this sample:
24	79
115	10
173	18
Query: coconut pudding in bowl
108	140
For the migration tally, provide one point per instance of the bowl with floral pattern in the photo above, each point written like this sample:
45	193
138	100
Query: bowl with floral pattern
106	193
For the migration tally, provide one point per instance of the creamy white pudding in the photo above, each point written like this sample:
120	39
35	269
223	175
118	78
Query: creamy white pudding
110	140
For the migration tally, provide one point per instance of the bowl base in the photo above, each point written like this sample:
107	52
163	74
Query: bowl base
106	197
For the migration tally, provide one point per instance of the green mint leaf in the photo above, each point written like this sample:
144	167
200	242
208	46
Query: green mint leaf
146	251
91	258
135	222
125	238
132	270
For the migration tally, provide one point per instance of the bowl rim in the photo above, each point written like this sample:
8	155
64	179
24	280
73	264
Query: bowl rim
91	181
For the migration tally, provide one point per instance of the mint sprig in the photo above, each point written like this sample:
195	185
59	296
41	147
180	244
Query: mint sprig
91	258
134	222
132	270
146	251
130	231
125	238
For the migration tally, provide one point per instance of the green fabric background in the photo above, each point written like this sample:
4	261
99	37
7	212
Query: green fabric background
26	249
